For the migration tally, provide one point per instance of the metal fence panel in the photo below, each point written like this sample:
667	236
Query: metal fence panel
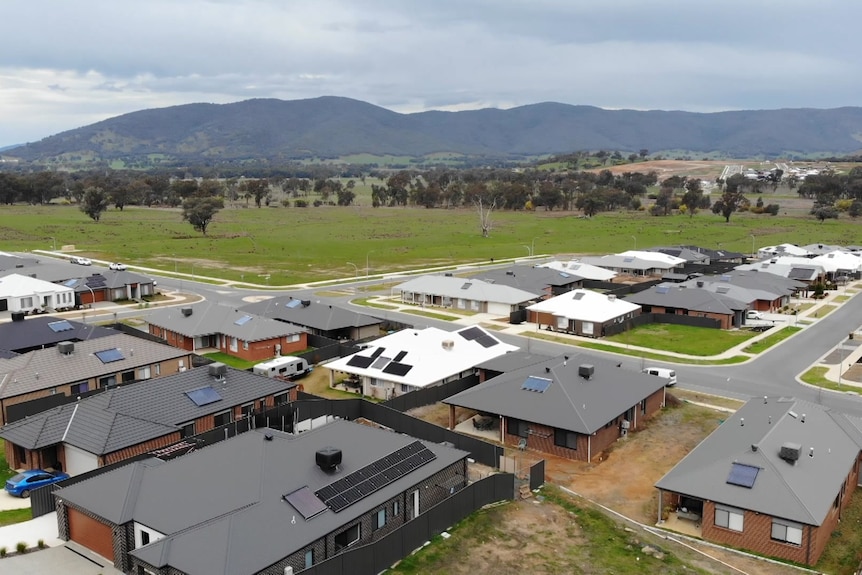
537	475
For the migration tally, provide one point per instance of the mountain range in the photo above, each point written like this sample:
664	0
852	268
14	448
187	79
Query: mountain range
333	127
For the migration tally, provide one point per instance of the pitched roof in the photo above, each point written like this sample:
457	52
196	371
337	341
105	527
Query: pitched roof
423	355
209	318
308	313
237	521
581	269
47	368
682	252
635	260
585	305
529	278
17	285
696	299
110	279
570	401
783	267
45	331
467	288
512	361
802	491
127	415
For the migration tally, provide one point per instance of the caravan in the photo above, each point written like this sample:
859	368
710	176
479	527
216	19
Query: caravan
285	367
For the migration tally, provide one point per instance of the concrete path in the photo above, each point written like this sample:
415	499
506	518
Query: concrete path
30	532
58	560
8	502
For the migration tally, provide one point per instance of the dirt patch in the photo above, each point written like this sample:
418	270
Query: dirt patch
706	169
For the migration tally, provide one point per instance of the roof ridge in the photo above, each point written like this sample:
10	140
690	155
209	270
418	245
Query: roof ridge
787	486
571	401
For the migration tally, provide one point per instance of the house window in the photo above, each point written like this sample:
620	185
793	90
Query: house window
128	376
222	418
145	538
395	509
516	427
643	407
247	409
381	518
406	388
567	439
158	367
729	518
347	538
144	373
309	558
373	381
787	532
26	302
245	346
233	344
108	381
293	338
187	429
281	399
82	387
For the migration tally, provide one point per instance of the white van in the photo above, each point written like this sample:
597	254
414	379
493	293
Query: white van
286	367
668	374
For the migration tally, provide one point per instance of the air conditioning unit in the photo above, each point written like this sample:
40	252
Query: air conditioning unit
626	424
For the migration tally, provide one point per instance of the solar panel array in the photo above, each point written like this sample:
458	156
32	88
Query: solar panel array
110	355
471	333
62	325
375	476
742	475
578	295
203	396
479	336
360	361
537	384
662	289
396	368
243	320
96	281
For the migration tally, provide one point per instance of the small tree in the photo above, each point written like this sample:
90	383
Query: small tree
199	212
94	202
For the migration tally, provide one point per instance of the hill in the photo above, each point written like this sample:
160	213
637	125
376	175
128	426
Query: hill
331	127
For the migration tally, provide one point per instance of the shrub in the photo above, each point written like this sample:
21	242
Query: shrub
772	209
317	203
300	204
285	202
21	547
40	544
3	552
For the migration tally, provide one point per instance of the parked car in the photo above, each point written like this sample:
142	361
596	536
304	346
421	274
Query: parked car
753	314
22	484
668	374
81	261
117	266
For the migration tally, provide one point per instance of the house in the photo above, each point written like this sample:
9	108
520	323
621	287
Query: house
29	333
761	292
533	279
637	263
330	321
767	252
774	478
581	270
574	406
582	312
73	368
28	294
226	329
413	359
678	299
282	502
840	263
127	420
796	268
465	293
691	255
113	285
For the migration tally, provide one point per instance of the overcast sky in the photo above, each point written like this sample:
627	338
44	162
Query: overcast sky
68	64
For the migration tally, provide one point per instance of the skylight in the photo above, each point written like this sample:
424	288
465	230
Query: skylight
293	303
110	355
536	384
243	320
62	325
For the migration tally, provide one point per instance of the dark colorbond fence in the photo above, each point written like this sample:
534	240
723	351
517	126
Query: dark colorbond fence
646	318
432	394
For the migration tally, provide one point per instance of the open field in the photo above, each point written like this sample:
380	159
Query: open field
310	244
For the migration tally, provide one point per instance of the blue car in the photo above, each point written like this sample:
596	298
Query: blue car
22	484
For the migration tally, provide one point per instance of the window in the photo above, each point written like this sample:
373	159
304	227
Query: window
281	399
26	302
128	376
643	407
729	518
82	387
787	532
381	518
247	409
245	346
516	427
187	429
144	373
158	369
108	381
395	509
406	388
233	344
293	338
145	538
222	418
309	558
567	439
347	538
373	381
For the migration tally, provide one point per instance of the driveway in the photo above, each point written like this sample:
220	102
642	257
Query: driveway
30	532
55	560
9	502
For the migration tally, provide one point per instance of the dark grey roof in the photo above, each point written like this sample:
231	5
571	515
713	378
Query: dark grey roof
128	415
315	315
512	361
801	492
716	255
9	261
209	318
689	255
570	402
235	521
7	354
109	279
765	285
529	278
34	332
49	271
679	296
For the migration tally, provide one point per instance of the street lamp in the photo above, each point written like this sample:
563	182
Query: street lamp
526	247
752	245
636	242
53	244
355	268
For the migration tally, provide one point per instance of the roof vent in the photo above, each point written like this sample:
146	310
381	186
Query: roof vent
66	347
790	452
448	274
754	447
306	302
611	297
19	266
586	370
18	316
267	436
186	311
328	458
447	344
510	273
700	283
217	370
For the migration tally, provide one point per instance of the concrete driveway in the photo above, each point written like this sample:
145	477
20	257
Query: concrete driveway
30	532
55	560
9	502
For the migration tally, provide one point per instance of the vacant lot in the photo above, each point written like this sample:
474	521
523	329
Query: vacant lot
685	339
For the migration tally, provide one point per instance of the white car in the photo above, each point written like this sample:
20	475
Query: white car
81	261
753	314
668	374
117	266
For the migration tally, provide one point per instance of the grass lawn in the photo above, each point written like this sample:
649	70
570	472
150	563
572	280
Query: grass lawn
364	301
231	360
824	311
431	314
5	472
685	339
842	556
772	339
12	516
817	376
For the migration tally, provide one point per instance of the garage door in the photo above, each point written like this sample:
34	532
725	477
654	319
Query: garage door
79	461
91	533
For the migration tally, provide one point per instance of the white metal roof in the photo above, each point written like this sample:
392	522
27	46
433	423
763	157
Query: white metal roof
585	305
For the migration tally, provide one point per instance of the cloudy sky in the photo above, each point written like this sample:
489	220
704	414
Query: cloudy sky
68	64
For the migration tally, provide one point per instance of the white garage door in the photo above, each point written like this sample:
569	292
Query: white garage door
79	461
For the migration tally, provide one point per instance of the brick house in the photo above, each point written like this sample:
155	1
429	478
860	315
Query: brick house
467	294
534	279
112	285
774	478
259	502
29	333
325	320
760	291
128	420
208	325
73	368
696	301
582	312
573	406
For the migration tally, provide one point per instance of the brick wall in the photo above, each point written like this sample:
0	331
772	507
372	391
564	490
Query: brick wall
144	447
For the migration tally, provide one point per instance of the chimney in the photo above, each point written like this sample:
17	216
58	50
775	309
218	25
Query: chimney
186	311
586	370
328	458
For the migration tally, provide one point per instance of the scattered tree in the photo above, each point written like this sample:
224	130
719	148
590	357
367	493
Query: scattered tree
693	196
94	202
200	211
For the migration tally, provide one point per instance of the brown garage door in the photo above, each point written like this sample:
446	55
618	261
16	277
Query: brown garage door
91	533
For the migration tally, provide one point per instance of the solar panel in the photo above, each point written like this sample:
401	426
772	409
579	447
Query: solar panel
471	333
360	361
306	502
109	355
203	396
293	303
376	353
662	289
243	320
396	368
564	275
380	362
537	384
578	295
467	285
400	356
742	475
70	283
374	476
486	341
62	325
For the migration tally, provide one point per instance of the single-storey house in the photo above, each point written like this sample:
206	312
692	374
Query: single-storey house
261	502
573	406
72	368
533	279
582	270
330	321
637	263
804	270
32	332
582	312
677	299
840	263
774	478
465	293
413	359
128	420
767	252
113	285
691	255
226	329
762	292
28	294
